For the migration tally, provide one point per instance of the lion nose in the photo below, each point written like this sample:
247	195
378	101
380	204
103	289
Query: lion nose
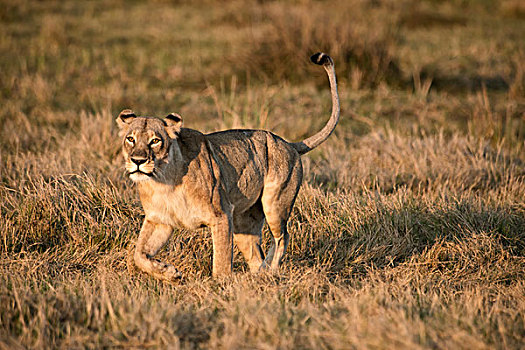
138	161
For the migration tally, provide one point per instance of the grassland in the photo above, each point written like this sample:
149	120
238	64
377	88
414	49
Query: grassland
409	230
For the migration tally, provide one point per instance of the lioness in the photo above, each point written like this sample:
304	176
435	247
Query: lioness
230	181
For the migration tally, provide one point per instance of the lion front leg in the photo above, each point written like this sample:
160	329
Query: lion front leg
222	237
152	238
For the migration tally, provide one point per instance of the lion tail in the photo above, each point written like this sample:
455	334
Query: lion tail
313	141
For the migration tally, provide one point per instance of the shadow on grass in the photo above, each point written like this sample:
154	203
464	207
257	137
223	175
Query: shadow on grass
458	83
462	236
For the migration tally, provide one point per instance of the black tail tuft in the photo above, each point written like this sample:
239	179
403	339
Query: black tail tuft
322	59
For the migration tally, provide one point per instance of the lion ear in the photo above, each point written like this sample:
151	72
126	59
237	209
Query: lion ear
173	124
125	118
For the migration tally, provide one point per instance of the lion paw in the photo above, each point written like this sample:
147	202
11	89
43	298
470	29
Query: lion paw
171	273
165	271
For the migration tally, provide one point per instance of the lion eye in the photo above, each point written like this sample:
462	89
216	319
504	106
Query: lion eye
130	139
155	141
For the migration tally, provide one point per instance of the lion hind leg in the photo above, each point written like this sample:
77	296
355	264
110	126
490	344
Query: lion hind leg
247	235
250	246
281	238
152	238
278	199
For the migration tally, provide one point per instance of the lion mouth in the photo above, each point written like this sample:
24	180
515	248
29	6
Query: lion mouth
140	172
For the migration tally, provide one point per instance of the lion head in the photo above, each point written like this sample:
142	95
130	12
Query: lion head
146	143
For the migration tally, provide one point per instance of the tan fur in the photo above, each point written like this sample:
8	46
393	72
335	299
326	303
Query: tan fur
230	181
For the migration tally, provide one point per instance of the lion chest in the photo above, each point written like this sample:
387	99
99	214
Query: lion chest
171	205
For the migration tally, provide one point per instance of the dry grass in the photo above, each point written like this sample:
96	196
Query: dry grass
409	231
284	33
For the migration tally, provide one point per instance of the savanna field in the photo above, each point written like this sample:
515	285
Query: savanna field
408	231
